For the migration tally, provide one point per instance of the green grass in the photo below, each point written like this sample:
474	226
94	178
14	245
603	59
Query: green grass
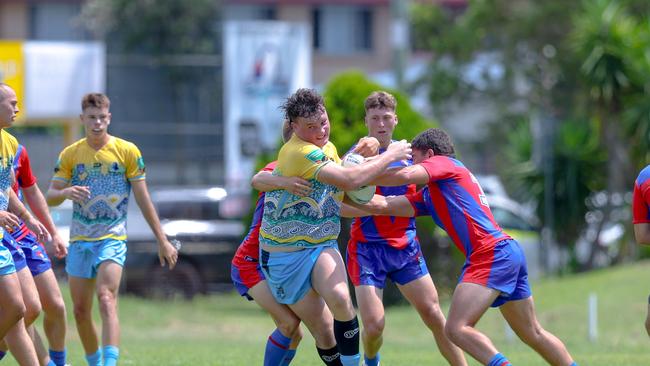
226	330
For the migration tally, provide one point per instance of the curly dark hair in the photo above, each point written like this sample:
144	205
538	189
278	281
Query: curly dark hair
436	140
303	103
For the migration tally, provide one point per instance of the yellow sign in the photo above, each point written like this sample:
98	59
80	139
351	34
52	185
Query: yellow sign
12	70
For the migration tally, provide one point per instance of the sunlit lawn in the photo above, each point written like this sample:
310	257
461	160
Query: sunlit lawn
226	330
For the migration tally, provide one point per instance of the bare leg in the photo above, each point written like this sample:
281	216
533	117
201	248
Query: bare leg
469	303
108	283
422	294
54	321
82	291
520	315
285	320
371	309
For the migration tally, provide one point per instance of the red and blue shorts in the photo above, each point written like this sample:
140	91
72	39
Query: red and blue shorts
246	274
503	268
371	263
16	251
37	259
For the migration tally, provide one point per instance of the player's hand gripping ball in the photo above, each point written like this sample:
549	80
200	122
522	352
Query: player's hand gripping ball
363	194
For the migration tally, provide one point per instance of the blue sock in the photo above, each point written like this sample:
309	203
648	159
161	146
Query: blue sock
58	357
499	360
350	360
371	361
2	354
276	347
95	359
111	354
288	357
573	364
51	363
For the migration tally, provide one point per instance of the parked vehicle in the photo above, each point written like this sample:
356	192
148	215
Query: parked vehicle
201	218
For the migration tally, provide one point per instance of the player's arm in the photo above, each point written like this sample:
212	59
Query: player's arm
265	181
385	206
642	233
350	211
34	225
59	191
166	251
414	174
37	203
351	178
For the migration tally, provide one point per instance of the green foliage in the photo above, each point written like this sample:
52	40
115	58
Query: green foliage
344	97
578	162
162	27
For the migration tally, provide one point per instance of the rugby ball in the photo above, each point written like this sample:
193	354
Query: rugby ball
363	194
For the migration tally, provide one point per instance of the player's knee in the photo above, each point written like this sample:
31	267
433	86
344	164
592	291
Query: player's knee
54	308
289	326
373	328
341	305
107	301
82	313
531	335
454	332
15	311
32	311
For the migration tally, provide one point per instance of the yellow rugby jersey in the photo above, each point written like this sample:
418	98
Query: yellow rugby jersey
310	221
108	173
8	149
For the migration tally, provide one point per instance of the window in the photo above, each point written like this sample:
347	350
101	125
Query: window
342	29
56	22
249	12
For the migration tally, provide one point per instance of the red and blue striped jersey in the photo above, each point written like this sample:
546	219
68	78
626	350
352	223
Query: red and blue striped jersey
641	197
24	179
397	232
456	202
249	249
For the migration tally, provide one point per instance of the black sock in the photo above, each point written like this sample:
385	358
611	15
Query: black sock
347	336
330	357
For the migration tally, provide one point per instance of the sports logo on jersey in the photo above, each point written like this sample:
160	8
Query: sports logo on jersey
141	167
317	156
115	167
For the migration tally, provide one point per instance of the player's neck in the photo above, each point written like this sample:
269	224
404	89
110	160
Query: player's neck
97	142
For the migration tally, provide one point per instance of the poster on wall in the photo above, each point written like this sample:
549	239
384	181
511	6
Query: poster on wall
50	78
264	63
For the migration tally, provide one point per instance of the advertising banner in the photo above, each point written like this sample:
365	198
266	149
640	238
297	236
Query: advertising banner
264	63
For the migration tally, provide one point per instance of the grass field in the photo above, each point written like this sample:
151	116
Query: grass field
225	330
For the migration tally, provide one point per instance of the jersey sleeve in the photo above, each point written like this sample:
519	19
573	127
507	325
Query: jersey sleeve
269	167
418	201
439	167
135	167
24	174
63	167
641	203
307	161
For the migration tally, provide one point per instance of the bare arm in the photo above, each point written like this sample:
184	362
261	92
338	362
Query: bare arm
414	174
351	178
350	211
166	251
59	191
264	181
642	233
37	203
386	206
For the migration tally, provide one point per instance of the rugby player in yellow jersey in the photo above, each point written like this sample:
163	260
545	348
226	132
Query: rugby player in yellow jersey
12	306
98	173
298	235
